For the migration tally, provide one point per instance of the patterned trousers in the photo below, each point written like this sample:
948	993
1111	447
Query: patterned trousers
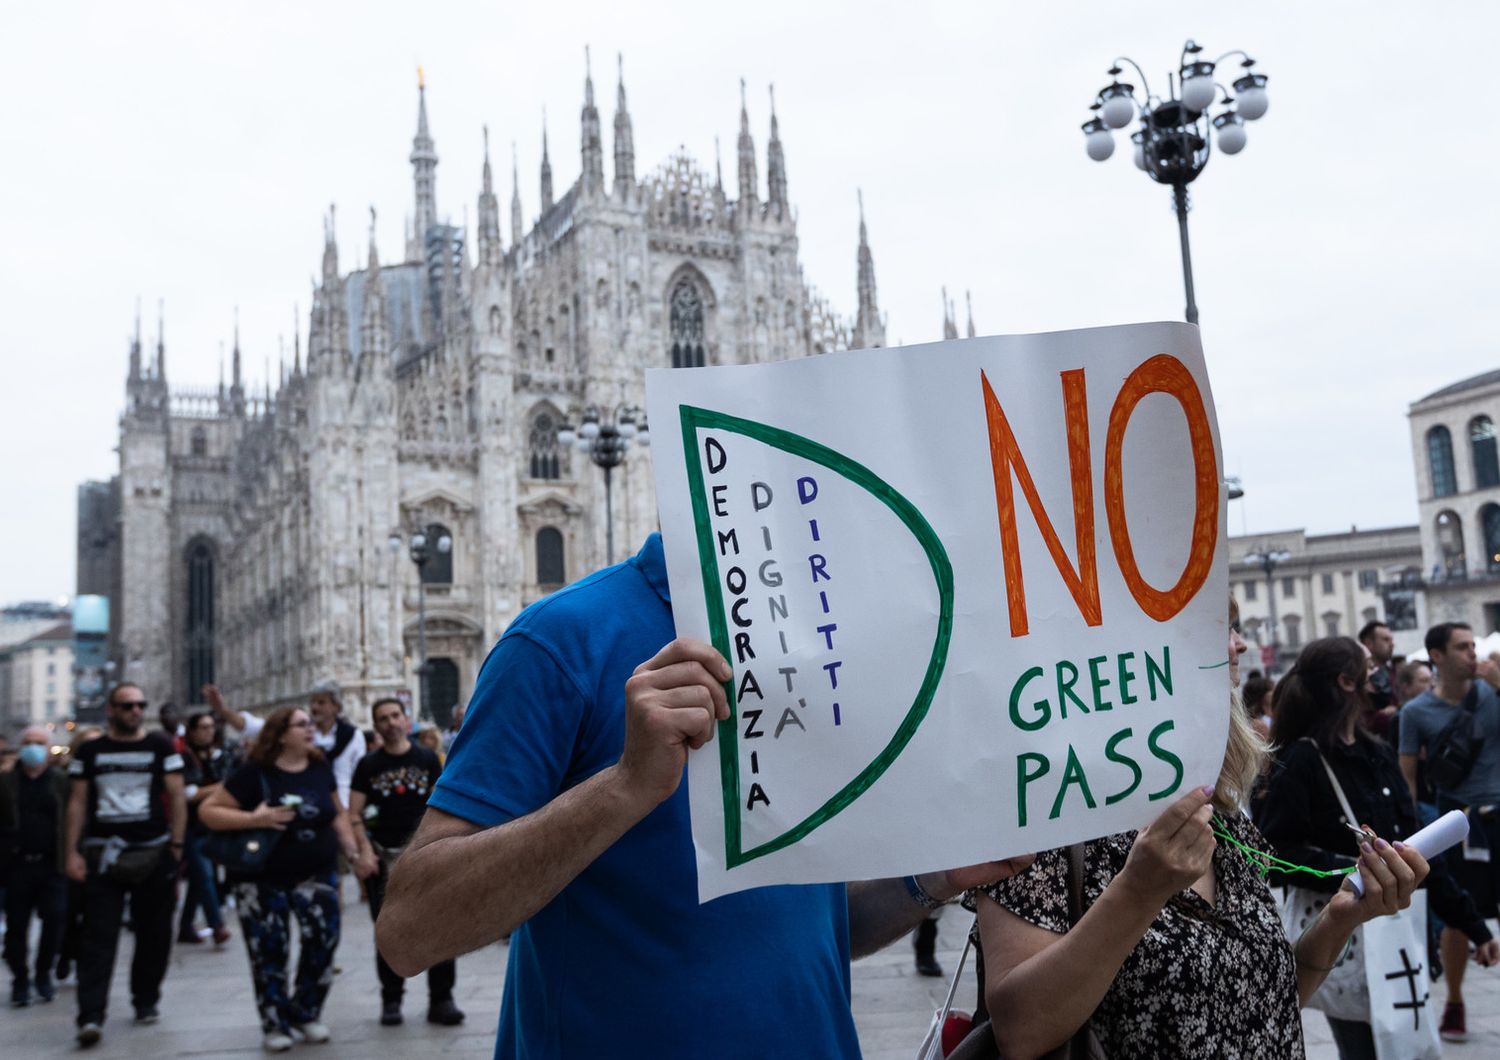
265	914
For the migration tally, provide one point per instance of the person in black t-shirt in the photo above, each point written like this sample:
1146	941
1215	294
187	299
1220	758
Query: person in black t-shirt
387	797
126	819
287	787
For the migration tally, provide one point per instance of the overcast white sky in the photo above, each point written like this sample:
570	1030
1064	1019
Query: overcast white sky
1345	260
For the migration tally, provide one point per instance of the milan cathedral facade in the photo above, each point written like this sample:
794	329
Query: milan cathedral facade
253	529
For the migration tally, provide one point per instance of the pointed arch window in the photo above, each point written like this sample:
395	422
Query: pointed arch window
543	452
1440	461
551	571
687	326
200	616
1482	449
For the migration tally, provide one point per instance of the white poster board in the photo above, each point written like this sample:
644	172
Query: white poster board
973	592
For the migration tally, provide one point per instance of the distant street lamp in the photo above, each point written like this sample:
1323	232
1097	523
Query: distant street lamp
606	437
419	548
1268	559
1172	143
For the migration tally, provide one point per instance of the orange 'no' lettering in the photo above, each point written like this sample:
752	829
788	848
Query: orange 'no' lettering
1163	374
1005	454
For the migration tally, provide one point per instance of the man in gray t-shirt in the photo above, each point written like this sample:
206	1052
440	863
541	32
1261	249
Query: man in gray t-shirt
1429	714
1450	647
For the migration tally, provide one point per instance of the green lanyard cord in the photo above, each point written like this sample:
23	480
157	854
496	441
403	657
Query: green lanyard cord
1266	862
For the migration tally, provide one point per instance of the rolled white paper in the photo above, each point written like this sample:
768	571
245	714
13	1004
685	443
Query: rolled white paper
1447	831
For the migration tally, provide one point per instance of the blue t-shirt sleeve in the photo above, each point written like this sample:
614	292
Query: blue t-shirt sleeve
513	753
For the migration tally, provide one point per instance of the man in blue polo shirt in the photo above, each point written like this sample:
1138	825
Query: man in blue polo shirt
561	816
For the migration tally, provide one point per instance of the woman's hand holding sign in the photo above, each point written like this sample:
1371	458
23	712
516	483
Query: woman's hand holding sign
672	702
1172	852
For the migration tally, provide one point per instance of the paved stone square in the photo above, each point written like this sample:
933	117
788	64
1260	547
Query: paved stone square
207	1008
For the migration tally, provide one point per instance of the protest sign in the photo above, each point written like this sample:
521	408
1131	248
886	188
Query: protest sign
973	594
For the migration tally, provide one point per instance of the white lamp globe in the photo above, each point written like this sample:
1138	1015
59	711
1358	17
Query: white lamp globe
1097	139
1138	156
1250	96
1117	107
1198	86
1231	133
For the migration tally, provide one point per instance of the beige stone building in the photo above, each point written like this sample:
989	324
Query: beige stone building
1458	499
1323	585
253	527
36	679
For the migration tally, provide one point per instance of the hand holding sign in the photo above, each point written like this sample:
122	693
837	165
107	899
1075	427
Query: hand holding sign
993	625
671	703
1172	852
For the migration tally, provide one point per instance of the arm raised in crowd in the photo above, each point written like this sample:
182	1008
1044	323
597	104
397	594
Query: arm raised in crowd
671	704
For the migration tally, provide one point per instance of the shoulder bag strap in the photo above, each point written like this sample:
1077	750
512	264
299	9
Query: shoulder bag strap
958	973
1075	884
1338	789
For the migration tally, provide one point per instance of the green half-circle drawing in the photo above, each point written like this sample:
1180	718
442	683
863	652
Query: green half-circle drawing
694	419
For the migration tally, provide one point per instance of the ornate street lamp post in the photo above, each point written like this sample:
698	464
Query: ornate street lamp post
419	548
1172	141
1268	559
606	436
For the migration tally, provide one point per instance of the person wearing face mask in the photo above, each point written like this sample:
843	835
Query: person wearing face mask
33	798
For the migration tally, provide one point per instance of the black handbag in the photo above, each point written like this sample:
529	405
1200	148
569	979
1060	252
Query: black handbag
1453	751
244	851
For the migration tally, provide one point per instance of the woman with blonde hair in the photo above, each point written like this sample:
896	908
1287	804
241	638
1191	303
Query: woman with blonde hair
1179	949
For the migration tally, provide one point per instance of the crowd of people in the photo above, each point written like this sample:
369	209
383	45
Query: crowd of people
132	825
565	783
1401	742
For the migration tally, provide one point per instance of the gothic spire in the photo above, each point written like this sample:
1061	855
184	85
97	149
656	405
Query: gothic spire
718	168
775	168
869	328
546	168
950	325
515	198
135	344
489	212
624	141
330	251
969	301
591	139
424	161
296	341
161	341
748	179
234	373
372	325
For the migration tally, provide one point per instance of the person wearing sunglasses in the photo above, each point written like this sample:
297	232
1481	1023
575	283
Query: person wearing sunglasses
127	814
